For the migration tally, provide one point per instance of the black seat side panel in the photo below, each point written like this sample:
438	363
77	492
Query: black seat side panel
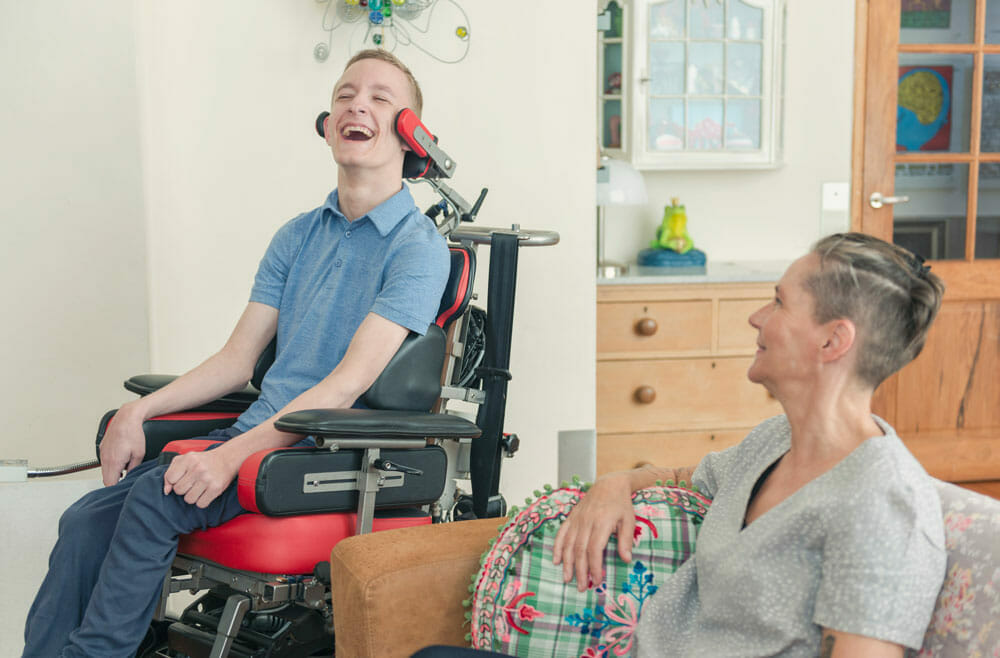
281	482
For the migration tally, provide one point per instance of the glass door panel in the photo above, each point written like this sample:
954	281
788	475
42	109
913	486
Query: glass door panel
612	132
666	124
988	211
934	97
937	21
993	21
990	139
932	222
745	22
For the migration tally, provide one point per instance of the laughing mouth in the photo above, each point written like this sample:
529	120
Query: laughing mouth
356	133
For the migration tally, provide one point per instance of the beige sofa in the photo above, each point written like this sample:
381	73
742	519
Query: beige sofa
398	591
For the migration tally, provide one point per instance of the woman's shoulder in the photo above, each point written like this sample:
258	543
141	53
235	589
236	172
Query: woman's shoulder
884	482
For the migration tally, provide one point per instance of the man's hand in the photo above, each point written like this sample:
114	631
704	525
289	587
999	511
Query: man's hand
199	476
123	445
605	509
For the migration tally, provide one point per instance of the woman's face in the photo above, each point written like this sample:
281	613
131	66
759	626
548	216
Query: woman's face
789	340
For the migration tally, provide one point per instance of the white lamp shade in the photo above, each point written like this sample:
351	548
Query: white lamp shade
619	184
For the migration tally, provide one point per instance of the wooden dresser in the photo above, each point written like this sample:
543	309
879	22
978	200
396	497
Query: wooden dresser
671	370
672	387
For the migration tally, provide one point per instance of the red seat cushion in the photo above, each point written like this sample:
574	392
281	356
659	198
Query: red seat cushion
280	545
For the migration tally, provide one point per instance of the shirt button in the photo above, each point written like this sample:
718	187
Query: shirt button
337	262
347	235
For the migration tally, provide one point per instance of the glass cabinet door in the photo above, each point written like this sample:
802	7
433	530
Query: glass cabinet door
704	88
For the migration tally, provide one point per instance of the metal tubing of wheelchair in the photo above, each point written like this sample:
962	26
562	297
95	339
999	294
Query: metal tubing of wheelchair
367	491
334	443
229	624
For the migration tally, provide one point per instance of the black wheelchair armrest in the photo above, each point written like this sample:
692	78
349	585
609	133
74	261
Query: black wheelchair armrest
376	424
237	401
162	430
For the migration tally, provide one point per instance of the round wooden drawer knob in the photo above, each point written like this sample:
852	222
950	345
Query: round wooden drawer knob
645	394
646	327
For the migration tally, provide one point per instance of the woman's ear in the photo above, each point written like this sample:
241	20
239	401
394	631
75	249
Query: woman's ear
840	336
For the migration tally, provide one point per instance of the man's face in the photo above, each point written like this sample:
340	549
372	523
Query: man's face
365	102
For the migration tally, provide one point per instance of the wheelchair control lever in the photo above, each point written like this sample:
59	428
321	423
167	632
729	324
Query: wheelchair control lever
386	465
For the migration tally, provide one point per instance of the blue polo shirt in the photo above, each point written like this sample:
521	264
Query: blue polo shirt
324	274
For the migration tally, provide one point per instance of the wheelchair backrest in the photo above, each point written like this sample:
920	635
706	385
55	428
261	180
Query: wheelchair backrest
412	379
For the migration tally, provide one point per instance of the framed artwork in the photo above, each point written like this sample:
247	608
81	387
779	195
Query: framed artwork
926	14
923	114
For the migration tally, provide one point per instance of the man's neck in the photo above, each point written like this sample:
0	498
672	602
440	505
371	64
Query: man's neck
358	192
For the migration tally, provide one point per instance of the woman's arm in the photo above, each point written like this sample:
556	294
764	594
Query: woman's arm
847	645
606	509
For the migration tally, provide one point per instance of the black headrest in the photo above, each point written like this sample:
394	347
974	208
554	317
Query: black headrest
458	290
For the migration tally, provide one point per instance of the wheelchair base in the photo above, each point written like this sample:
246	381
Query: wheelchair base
289	631
244	615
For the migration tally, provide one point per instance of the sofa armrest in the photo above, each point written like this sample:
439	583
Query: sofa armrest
397	591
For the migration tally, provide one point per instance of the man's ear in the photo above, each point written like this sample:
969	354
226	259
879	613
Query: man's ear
326	131
840	336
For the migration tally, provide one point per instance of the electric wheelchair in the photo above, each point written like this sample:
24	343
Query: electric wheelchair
265	574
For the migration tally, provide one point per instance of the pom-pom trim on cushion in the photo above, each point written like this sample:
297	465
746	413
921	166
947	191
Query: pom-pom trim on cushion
520	606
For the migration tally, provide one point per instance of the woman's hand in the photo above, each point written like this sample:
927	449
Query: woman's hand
606	508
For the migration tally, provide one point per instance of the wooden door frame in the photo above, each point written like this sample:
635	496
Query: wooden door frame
965	282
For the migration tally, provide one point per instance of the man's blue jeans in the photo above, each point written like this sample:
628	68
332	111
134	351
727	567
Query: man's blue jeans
106	571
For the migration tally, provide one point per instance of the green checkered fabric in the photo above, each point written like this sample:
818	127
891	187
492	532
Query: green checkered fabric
521	607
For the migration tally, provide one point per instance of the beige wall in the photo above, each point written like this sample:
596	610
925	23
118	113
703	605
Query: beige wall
230	154
770	214
72	254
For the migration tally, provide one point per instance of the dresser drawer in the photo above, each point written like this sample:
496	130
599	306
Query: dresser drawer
619	452
663	395
670	326
735	332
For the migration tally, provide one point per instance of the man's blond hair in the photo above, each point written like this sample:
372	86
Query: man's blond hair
389	58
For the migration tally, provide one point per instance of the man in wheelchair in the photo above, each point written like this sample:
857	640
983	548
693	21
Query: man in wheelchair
339	287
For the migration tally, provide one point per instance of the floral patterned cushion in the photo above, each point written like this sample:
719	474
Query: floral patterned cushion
966	620
520	605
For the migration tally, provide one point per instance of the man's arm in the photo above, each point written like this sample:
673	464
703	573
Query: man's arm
606	509
847	645
201	476
226	371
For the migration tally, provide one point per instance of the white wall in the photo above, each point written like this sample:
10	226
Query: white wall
770	214
72	255
230	154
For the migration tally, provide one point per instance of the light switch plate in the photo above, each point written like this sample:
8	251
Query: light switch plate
835	196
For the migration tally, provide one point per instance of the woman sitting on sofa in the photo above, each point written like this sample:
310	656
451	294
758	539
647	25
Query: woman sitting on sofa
824	535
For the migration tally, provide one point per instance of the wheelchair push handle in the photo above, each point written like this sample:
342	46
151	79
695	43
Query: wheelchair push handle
526	237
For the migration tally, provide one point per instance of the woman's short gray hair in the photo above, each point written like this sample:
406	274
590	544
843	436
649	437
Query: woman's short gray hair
888	292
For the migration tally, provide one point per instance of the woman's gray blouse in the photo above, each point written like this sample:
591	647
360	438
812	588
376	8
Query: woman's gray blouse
860	549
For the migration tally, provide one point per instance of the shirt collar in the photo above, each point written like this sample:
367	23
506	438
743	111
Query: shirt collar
384	216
